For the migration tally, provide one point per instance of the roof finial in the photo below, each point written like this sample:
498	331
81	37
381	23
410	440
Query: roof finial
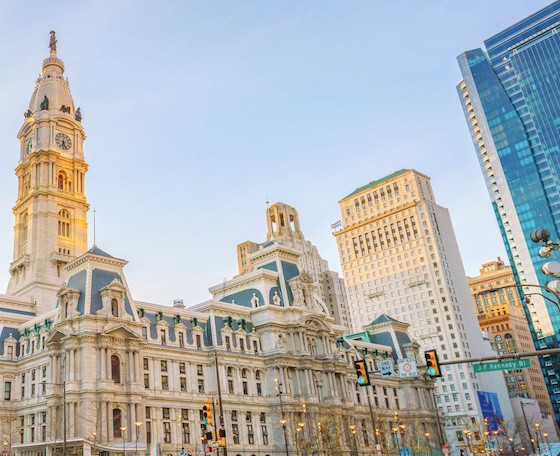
52	43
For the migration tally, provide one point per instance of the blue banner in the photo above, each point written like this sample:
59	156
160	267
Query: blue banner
491	410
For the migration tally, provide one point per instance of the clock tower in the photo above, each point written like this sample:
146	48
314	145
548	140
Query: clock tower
50	211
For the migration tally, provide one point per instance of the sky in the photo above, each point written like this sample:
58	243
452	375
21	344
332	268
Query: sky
199	112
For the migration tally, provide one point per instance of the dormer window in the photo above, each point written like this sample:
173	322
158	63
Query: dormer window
114	307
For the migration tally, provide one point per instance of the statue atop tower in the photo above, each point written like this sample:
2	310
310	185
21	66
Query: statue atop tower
52	43
50	226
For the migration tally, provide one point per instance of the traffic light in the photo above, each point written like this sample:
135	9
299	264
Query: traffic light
207	413
221	437
361	372
432	362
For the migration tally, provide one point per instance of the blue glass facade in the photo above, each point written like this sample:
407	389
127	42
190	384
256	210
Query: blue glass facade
511	99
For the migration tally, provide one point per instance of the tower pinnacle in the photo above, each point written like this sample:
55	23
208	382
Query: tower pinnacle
50	227
52	43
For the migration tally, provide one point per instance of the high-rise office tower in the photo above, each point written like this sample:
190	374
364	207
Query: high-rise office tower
509	95
399	257
500	314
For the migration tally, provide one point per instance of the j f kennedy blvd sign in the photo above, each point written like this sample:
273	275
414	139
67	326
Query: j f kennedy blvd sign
502	365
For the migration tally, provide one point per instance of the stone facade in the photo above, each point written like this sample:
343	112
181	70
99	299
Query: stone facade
500	314
86	369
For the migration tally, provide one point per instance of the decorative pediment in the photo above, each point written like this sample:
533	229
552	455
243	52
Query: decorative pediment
121	332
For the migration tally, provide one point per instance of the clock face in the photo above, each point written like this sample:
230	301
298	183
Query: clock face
63	141
28	146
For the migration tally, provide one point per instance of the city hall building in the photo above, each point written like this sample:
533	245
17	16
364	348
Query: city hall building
85	369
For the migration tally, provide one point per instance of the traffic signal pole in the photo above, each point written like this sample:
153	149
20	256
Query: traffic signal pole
517	355
220	407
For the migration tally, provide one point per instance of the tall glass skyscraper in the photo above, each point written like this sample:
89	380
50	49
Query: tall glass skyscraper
511	99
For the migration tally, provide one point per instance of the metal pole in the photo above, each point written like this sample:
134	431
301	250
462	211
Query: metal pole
441	435
64	413
372	417
222	427
283	420
527	426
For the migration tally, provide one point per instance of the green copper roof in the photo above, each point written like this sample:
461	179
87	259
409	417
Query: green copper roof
377	182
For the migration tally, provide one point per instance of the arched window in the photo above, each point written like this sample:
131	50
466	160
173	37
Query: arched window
64	223
116	369
61	180
117	420
115	307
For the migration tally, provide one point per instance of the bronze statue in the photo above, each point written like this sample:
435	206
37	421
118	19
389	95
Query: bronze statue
78	115
44	104
52	43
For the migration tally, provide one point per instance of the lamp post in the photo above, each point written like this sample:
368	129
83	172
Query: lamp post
298	429
527	426
123	428
545	435
137	424
427	435
468	437
537	427
303	447
394	431
283	420
353	431
402	428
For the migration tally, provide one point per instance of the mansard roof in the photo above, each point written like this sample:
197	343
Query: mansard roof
97	251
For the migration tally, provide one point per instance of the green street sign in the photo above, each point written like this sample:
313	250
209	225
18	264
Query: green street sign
512	364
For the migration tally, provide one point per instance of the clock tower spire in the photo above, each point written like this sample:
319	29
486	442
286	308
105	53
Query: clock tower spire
50	211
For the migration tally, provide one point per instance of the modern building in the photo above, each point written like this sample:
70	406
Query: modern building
500	314
399	257
509	98
86	369
284	227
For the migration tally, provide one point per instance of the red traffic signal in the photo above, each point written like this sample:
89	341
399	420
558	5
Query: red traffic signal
362	372
432	362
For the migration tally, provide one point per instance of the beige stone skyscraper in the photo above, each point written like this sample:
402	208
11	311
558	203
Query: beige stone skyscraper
500	314
399	257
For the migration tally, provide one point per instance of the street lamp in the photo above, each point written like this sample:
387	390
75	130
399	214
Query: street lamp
298	429
301	425
402	427
537	427
123	428
138	424
547	443
394	431
468	436
353	431
427	440
283	420
532	441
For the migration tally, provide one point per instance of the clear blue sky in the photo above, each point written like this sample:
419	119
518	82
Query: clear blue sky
198	112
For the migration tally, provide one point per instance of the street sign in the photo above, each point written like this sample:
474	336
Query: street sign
407	368
512	364
386	368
